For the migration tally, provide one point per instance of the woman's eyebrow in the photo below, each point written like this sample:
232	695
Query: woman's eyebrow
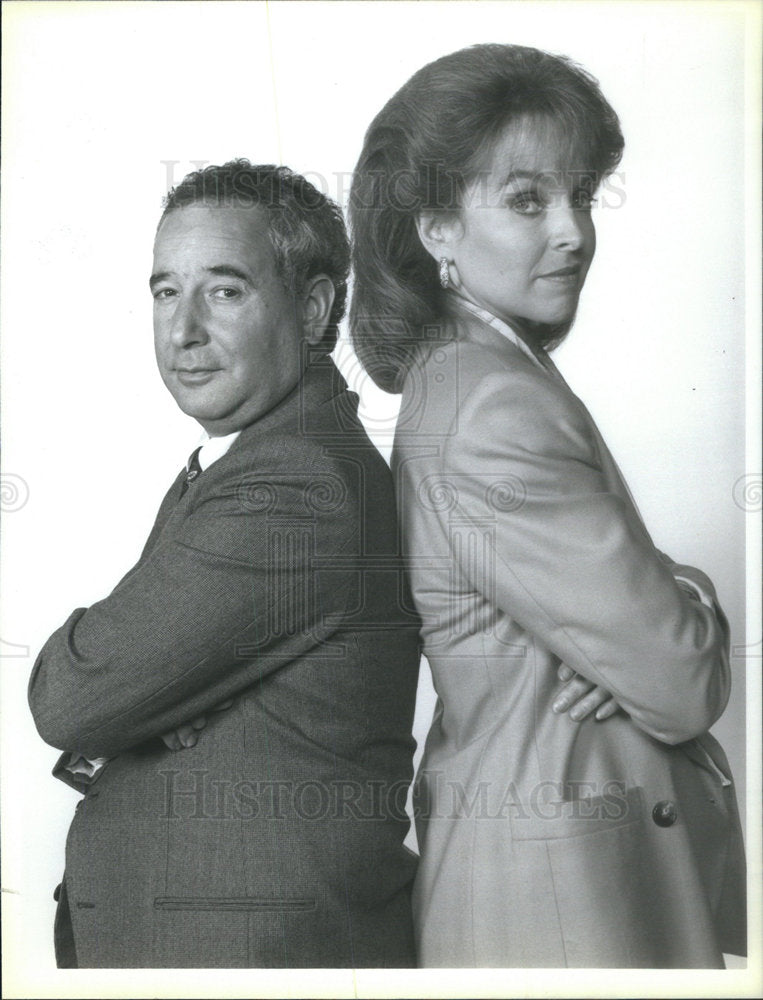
536	176
517	175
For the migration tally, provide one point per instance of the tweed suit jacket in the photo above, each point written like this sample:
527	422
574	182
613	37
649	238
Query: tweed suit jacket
278	839
547	842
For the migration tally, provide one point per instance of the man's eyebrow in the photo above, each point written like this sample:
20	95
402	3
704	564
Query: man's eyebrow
228	269
156	278
222	270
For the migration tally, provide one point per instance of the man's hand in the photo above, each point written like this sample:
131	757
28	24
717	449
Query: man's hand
582	697
185	736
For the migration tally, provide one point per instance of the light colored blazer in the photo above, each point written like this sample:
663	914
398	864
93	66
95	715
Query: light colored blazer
547	842
278	839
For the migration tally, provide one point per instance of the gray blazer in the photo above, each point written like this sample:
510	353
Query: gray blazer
278	839
547	842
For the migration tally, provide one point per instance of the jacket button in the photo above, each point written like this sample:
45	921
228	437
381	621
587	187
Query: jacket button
665	813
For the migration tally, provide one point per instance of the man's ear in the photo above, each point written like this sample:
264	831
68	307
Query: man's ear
317	300
439	232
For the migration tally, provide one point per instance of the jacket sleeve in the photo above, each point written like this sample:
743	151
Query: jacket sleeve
571	562
216	605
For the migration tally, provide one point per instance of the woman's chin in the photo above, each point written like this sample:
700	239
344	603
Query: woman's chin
564	313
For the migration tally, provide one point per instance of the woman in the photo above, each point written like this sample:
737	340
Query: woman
614	842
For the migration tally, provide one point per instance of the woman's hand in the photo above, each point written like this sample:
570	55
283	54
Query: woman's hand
582	697
185	736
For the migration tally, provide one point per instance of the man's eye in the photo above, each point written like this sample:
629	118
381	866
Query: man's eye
164	293
226	292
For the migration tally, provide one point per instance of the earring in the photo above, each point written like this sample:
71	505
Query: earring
444	272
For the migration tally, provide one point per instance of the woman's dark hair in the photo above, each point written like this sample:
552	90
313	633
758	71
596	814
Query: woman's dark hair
306	228
422	150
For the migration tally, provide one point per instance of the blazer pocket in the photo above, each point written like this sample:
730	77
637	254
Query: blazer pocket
561	819
236	904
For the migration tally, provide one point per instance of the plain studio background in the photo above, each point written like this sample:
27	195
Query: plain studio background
107	103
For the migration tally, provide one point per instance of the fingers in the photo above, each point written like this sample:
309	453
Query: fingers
571	693
565	673
607	709
171	741
185	736
581	698
589	704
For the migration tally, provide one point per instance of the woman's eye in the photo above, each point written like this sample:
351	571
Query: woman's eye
526	204
582	199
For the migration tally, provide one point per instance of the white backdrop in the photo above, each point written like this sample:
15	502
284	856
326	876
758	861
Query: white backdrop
107	103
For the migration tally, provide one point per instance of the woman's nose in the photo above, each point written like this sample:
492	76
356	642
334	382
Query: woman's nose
568	226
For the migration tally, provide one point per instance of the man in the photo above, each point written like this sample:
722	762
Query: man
270	578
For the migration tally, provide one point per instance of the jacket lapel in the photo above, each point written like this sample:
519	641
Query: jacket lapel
466	326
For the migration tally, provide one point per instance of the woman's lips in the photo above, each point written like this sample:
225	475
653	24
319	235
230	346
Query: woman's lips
563	276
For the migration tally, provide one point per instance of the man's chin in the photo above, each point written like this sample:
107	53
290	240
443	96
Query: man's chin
204	411
215	418
197	400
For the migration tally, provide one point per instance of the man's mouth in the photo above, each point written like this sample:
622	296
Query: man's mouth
195	376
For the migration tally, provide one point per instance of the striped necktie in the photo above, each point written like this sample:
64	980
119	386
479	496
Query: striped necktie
193	471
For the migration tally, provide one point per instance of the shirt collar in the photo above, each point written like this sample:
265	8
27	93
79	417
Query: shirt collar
213	448
503	328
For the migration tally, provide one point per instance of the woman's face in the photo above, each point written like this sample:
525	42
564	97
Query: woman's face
526	234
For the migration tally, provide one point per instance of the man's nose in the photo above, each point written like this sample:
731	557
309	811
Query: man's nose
189	322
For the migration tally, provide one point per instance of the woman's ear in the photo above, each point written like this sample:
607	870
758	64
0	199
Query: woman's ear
317	300
439	232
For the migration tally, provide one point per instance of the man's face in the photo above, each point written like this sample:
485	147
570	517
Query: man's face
227	334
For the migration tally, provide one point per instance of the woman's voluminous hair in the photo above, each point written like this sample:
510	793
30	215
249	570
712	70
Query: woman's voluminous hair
306	229
423	149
